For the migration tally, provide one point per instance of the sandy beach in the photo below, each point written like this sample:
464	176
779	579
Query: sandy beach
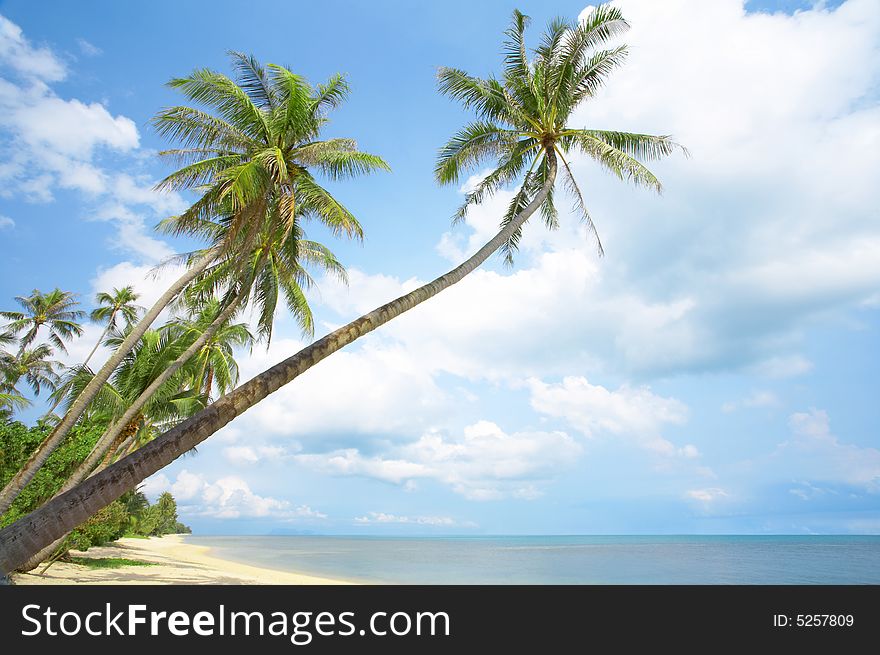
175	562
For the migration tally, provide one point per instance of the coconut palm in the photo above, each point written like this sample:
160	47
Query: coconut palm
253	153
148	361
10	401
56	311
33	366
11	398
532	101
110	307
257	148
56	437
278	267
213	366
171	402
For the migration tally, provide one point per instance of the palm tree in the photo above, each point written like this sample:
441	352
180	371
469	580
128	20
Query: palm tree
142	366
253	155
171	402
214	365
534	99
20	480
257	148
11	400
110	307
54	310
278	267
10	397
33	366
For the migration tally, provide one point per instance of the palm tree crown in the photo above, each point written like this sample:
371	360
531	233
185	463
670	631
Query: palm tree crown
54	310
214	365
32	365
146	361
121	302
256	150
523	119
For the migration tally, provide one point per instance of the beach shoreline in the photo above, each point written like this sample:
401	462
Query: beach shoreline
174	562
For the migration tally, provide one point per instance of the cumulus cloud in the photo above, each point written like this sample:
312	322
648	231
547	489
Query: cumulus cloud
229	497
59	143
483	463
6	223
815	454
758	235
371	390
18	53
634	413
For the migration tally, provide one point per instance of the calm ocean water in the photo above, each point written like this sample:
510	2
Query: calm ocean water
565	559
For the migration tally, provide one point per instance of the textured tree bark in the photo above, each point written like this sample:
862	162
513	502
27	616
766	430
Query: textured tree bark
56	437
27	536
117	433
126	432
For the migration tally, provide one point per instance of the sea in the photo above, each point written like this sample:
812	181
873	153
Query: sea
581	560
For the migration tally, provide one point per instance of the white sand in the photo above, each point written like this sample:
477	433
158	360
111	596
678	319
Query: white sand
176	563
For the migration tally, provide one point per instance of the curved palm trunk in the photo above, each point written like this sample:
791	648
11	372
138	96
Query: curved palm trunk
130	429
20	540
56	437
209	383
49	551
124	429
100	340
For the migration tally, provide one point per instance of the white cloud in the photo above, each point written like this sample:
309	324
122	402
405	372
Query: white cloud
759	235
57	143
634	413
382	517
229	497
248	455
46	121
484	463
88	49
17	53
707	496
374	389
755	400
6	223
817	455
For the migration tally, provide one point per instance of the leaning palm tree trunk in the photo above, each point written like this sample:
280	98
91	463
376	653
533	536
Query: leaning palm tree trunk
30	534
97	344
116	434
56	437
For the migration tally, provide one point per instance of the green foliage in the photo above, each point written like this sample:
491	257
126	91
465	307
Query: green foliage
180	528
161	518
253	156
522	124
166	509
17	442
55	311
110	306
130	514
107	525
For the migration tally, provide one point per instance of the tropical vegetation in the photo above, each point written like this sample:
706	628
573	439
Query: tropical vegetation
250	148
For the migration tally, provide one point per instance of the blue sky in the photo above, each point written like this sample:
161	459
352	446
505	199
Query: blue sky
715	372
